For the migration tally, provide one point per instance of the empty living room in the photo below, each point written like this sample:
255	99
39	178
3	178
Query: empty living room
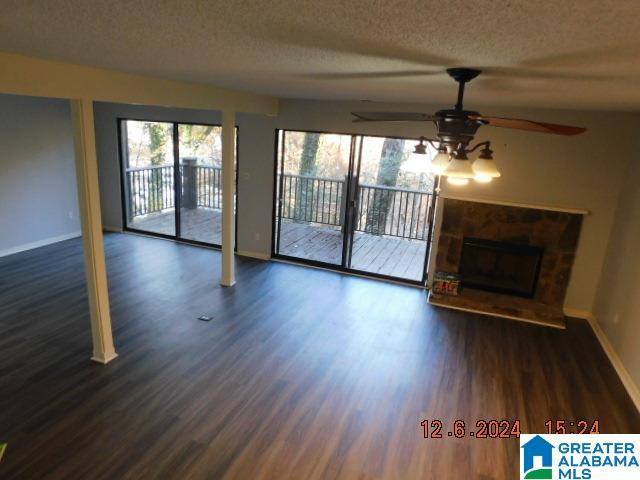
298	240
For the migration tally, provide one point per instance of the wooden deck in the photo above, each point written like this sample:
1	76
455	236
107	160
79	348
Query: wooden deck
385	255
201	224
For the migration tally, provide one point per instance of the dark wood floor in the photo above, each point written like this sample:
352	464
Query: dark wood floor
302	374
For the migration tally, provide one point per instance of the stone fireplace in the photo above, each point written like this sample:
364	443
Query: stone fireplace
512	261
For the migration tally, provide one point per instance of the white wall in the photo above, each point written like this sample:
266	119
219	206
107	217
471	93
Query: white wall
617	306
579	172
38	193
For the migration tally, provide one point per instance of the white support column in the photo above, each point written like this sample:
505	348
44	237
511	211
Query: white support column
228	195
89	198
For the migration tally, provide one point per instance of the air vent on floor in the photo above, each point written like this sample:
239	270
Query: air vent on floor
205	318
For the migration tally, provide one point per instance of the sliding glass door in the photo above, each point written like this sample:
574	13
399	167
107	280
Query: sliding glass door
172	179
312	186
356	203
149	176
200	148
394	198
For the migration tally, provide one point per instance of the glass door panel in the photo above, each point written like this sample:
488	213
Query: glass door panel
393	193
149	176
312	195
200	148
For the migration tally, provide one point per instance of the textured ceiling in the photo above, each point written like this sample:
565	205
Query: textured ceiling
569	54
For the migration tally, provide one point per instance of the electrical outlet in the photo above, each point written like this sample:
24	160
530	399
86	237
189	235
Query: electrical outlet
616	318
257	236
70	215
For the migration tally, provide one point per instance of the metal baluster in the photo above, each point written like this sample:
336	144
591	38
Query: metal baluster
322	204
426	217
413	208
306	198
377	204
397	204
404	219
143	197
331	202
314	205
290	182
219	189
156	191
136	188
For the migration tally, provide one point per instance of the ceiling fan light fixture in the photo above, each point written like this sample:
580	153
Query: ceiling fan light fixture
459	167
485	165
420	148
440	162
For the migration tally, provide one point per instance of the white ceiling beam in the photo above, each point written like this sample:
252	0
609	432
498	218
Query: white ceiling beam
22	75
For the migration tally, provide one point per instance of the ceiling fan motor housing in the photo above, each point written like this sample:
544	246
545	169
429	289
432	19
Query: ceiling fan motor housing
455	128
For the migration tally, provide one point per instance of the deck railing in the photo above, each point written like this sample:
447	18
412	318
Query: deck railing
381	210
393	211
312	199
151	189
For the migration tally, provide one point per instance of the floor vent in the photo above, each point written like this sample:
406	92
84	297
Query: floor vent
204	318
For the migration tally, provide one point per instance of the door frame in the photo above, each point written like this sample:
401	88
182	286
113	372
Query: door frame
177	183
348	214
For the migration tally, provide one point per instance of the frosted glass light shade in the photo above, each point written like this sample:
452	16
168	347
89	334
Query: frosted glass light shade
459	168
485	167
482	178
417	162
457	181
439	163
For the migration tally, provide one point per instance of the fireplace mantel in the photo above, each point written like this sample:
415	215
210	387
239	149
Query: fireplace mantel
493	201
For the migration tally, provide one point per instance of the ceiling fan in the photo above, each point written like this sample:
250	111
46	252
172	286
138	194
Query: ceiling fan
456	129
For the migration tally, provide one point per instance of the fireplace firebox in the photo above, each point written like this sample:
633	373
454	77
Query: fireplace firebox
500	267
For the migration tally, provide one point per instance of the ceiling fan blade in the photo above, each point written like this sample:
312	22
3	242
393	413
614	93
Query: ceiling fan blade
393	117
529	125
373	75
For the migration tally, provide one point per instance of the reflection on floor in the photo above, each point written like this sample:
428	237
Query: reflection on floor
386	255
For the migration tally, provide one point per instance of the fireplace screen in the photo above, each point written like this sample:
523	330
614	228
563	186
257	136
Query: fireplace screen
500	267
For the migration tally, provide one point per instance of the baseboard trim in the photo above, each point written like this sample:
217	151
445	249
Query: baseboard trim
623	374
109	228
40	243
250	254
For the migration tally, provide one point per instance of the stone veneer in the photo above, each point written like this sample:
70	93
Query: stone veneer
556	232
